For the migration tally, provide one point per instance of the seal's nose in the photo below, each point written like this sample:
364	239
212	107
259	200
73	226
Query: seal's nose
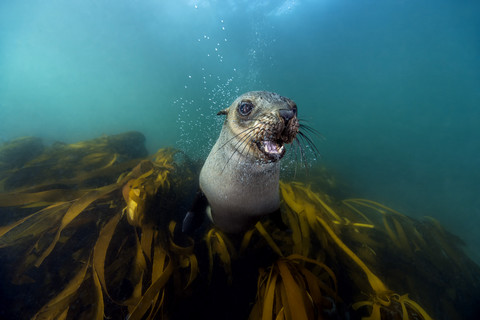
287	114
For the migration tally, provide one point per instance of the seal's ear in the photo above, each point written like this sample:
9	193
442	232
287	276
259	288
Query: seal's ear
222	112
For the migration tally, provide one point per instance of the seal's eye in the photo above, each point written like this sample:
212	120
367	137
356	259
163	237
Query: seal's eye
245	107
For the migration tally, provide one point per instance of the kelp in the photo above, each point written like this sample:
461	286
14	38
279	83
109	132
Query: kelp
78	165
387	306
150	260
15	153
383	243
103	241
58	307
318	218
288	290
219	245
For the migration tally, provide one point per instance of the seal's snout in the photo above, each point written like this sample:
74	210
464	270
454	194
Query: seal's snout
287	114
290	123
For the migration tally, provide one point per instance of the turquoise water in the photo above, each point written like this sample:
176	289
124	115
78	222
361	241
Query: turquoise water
393	86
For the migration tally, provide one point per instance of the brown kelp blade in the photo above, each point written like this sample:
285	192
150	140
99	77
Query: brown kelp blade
76	208
59	305
289	291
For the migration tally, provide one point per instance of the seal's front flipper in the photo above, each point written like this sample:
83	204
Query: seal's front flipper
195	216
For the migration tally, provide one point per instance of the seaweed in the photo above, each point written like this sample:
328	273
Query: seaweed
102	240
288	290
43	234
15	153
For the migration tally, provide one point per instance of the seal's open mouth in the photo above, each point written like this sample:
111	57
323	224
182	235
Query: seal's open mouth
273	150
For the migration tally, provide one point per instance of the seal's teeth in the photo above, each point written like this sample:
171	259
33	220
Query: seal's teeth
271	147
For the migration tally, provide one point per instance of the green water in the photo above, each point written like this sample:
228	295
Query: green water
393	86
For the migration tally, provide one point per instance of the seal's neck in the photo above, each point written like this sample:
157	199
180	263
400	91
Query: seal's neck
239	187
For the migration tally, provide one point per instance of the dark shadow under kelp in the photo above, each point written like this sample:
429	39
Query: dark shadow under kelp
90	230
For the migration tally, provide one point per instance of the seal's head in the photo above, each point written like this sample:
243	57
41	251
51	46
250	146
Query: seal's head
262	123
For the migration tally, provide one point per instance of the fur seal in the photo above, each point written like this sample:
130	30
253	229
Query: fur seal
240	178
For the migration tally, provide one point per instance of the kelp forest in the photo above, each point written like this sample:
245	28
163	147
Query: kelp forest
92	230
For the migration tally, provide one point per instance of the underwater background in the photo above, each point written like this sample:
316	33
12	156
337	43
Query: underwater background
393	86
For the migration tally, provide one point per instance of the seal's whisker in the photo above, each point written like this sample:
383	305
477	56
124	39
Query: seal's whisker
310	128
246	143
247	132
236	150
234	137
243	140
310	143
301	151
303	157
303	120
304	129
293	153
239	143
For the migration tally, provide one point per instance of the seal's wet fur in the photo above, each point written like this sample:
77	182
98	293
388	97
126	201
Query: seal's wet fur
240	177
